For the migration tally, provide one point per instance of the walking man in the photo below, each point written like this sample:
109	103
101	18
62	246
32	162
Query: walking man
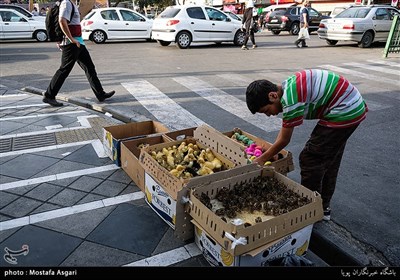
73	50
304	19
247	24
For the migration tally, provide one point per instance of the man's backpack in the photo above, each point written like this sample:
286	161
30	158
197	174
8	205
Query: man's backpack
53	28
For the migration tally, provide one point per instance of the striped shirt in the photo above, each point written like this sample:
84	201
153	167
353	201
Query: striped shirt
323	95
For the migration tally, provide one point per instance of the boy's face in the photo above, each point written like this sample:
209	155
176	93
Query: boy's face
272	109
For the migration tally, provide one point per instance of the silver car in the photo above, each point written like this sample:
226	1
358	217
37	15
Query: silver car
362	24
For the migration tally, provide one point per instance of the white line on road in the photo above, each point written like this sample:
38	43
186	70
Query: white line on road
24	106
170	257
161	106
237	80
13	95
41	115
27	182
48	148
385	70
53	214
361	75
385	62
229	103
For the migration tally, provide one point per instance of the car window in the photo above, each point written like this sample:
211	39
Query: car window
170	13
17	8
109	15
382	14
88	16
215	15
129	16
295	11
354	13
7	16
196	12
392	13
313	13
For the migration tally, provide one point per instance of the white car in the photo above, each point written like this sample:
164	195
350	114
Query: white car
196	23
361	24
115	23
14	25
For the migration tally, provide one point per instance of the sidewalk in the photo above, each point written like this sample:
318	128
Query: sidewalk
91	204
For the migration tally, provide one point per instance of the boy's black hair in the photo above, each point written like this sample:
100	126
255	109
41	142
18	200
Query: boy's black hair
257	94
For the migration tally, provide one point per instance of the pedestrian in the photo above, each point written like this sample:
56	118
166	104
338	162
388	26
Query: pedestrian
247	23
73	50
304	23
312	94
35	11
42	11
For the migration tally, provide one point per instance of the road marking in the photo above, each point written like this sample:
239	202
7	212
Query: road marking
71	210
361	75
237	80
99	149
24	106
13	95
48	148
81	119
170	257
229	103
385	70
161	106
386	62
32	181
41	115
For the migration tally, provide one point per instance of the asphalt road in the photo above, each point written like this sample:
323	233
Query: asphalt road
206	83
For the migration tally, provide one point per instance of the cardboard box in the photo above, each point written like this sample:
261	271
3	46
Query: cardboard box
171	210
257	234
177	135
173	184
114	135
293	244
130	153
283	165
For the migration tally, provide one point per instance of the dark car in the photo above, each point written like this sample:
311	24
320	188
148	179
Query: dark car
288	19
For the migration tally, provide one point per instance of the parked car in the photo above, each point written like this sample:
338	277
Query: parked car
22	10
362	24
233	15
338	9
196	23
288	19
115	23
14	25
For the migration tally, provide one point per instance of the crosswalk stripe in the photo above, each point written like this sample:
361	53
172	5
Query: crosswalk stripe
236	79
161	106
385	70
385	62
361	74
41	115
229	103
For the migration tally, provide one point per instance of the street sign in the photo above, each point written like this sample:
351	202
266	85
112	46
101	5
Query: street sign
394	3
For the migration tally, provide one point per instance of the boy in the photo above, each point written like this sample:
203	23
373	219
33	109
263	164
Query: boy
312	94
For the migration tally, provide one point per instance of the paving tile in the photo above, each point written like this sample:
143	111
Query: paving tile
65	182
198	261
67	197
20	207
131	188
80	224
28	166
85	183
130	228
91	197
4	234
46	247
5	159
59	153
109	188
45	207
102	175
91	254
120	176
63	166
22	190
44	191
6	198
168	242
87	155
10	127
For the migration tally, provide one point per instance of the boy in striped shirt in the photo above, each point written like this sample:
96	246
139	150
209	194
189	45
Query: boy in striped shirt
312	94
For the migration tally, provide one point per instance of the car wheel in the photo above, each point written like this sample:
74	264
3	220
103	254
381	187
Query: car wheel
99	36
331	42
240	36
366	40
276	32
183	40
163	43
295	28
40	36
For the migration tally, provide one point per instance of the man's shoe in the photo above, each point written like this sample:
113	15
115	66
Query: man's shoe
254	46
105	95
304	46
244	48
327	214
52	101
